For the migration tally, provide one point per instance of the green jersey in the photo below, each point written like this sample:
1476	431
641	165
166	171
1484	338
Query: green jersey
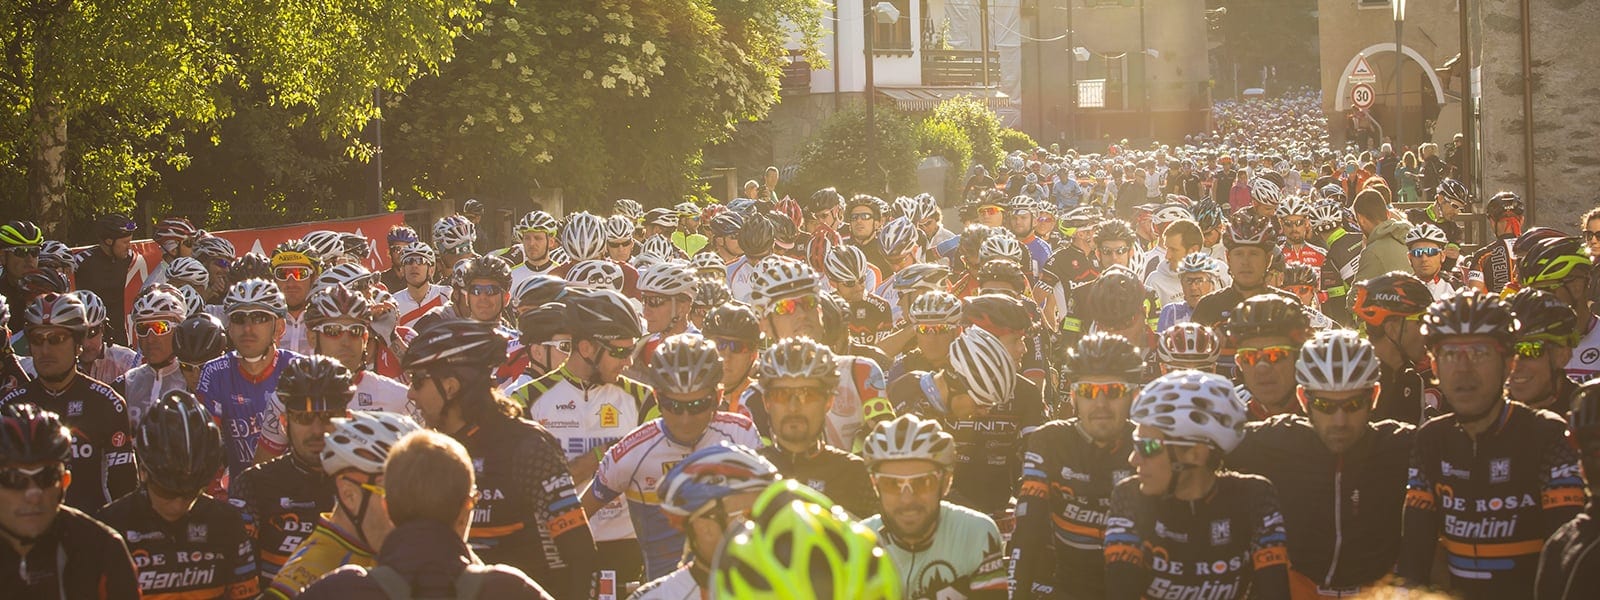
956	562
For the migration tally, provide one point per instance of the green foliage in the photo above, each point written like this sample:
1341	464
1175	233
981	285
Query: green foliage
1268	33
838	155
944	139
979	123
1012	140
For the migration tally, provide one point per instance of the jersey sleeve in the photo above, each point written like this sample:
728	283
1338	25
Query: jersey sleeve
1269	549
1420	529
1561	488
1030	542
120	468
119	580
989	582
610	478
243	580
548	486
1126	574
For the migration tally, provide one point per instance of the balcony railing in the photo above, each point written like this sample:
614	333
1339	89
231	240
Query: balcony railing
957	67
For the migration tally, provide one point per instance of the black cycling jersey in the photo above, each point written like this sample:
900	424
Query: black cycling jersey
102	464
1162	547
839	474
1569	568
1068	266
1495	261
869	319
1342	510
905	363
12	376
1067	480
281	500
988	444
1216	307
527	514
76	558
107	277
1344	250
1490	500
1406	396
206	554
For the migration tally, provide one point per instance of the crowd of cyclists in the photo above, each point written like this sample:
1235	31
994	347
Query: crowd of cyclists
1234	368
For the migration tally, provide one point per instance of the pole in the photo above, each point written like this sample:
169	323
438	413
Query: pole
1468	137
1399	82
1072	79
868	24
983	39
377	100
1144	77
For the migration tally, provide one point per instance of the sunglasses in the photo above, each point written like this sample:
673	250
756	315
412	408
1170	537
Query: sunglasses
152	328
1300	222
734	346
46	477
48	338
1587	235
935	329
689	407
1148	447
849	284
1098	391
1250	357
307	418
989	211
794	305
618	351
292	273
654	301
485	289
802	395
188	367
415	378
1530	349
1426	251
336	331
860	216
1300	290
621	244
916	485
1472	353
24	251
1330	406
562	346
1116	251
252	317
415	260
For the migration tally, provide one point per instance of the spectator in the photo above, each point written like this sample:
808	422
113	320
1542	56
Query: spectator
1385	249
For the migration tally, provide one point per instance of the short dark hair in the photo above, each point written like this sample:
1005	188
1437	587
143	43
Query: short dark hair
1370	204
1188	232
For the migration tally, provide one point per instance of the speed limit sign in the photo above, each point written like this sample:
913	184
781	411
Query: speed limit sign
1362	95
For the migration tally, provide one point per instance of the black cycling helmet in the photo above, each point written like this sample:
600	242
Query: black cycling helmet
32	435
111	226
355	245
1526	241
455	343
1208	214
1299	273
1583	421
726	224
537	290
1104	354
822	200
1395	294
20	234
179	444
602	314
1003	271
315	383
733	321
542	323
834	309
250	265
873	202
1469	313
1114	298
44	281
200	338
1504	204
1111	230
758	232
991	311
492	268
1544	317
472	207
1268	315
1251	232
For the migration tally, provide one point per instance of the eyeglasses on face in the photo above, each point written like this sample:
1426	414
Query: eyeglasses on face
732	346
689	407
415	260
485	289
1150	447
336	331
1118	251
152	328
293	273
790	306
562	346
917	484
306	418
1102	391
791	395
46	477
989	211
1466	353
1426	251
1300	290
251	317
1329	406
1250	357
935	328
862	216
655	300
618	351
48	338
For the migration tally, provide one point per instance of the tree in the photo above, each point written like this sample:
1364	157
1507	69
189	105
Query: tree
593	97
146	70
837	156
981	125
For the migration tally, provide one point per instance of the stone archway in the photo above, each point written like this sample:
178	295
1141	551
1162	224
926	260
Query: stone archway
1341	99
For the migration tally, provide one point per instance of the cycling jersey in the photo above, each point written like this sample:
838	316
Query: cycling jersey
963	560
634	465
740	272
206	554
410	309
1173	314
685	583
1496	262
585	417
869	319
1305	254
1162	547
840	475
987	442
1568	569
237	401
1065	494
1344	254
12	375
114	362
1067	266
859	401
144	385
1585	362
102	463
1406	395
374	393
1342	510
75	558
909	361
1491	500
1442	285
296	336
527	513
327	548
281	500
524	270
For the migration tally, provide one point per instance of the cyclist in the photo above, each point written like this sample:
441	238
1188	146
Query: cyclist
1294	217
398	238
797	545
1341	478
175	236
1179	240
1073	262
936	319
546	344
236	387
1188	346
1389	309
1549	330
981	404
104	267
294	267
102	451
536	231
940	548
13	375
1562	267
1199	274
796	377
1566	565
583	237
527	514
1493	479
1068	471
1426	245
156	315
1170	530
1251	248
1344	248
686	373
1495	260
724	229
454	237
666	290
419	294
757	235
1266	332
353	454
1450	199
284	495
852	277
101	358
180	452
865	215
709	292
734	328
48	549
200	339
701	496
1301	280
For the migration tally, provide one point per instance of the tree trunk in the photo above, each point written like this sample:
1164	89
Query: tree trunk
47	168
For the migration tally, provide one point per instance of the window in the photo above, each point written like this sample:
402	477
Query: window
1112	70
896	36
1384	4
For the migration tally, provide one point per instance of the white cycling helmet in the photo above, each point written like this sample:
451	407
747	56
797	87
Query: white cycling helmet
596	274
211	247
1169	214
326	245
1264	191
1001	246
618	228
537	220
1427	232
1192	406
710	474
255	294
188	271
351	274
982	362
686	363
909	437
708	264
1294	205
926	208
56	255
628	208
670	278
158	305
1336	361
931	277
898	236
94	309
846	263
584	236
935	308
798	358
780	278
454	234
661	246
558	255
905	206
418	251
193	302
57	310
362	441
1189	345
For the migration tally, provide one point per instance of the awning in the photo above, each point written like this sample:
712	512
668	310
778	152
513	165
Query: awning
916	99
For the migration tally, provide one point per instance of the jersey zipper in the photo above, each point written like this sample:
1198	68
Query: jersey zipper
1338	520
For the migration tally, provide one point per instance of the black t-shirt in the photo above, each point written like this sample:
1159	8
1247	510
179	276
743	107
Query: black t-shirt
77	557
839	474
103	467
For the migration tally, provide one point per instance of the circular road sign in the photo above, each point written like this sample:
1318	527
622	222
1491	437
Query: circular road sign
1361	95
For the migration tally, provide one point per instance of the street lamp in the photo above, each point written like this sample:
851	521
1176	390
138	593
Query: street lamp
886	14
1399	82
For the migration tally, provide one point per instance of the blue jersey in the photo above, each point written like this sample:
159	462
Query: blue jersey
238	401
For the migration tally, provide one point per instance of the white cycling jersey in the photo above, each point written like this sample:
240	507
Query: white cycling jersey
374	393
411	309
677	585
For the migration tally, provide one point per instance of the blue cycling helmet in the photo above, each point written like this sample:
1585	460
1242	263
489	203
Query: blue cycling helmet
710	474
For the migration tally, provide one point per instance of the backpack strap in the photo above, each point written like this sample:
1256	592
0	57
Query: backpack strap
394	586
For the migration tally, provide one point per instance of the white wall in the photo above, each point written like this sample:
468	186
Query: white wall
891	71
